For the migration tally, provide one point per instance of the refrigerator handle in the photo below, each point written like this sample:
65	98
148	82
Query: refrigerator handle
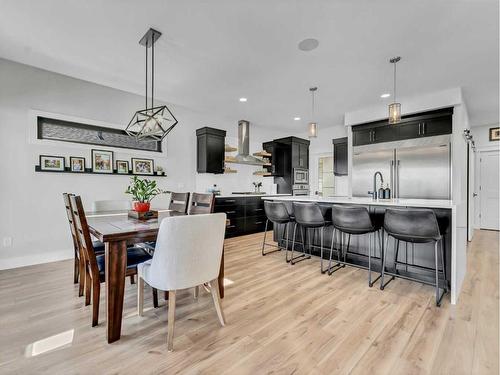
397	178
391	168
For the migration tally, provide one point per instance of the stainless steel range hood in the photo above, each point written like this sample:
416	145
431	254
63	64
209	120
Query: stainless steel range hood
244	156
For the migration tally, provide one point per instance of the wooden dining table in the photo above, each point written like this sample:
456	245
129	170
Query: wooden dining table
117	231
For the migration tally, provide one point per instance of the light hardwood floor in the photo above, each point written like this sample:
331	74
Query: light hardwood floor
280	319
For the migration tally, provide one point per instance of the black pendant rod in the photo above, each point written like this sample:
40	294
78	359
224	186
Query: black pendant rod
152	75
146	75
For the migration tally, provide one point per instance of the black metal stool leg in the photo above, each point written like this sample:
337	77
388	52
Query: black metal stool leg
438	297
384	257
293	260
264	240
264	244
443	265
396	244
375	235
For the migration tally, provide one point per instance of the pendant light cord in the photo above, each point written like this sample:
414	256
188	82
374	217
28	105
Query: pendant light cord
312	90
146	75
395	81
152	70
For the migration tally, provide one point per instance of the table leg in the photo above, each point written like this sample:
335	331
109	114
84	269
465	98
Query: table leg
116	265
221	276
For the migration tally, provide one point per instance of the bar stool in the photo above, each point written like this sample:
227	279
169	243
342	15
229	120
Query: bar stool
415	227
310	217
353	220
276	213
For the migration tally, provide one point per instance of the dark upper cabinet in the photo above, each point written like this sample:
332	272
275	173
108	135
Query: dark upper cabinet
409	130
295	155
384	134
436	126
303	155
210	150
425	124
340	156
362	136
276	152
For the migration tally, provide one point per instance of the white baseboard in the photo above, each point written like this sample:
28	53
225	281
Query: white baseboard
33	259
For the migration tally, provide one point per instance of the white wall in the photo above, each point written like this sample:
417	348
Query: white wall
31	203
481	136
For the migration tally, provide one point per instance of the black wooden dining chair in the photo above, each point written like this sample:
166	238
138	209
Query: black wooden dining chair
201	204
95	264
79	264
179	202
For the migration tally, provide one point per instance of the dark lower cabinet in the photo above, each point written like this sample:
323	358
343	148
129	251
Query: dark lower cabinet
245	215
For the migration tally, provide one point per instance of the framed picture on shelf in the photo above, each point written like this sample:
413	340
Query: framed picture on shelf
122	167
52	163
143	166
77	164
102	161
495	134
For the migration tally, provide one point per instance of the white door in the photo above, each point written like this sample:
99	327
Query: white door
489	190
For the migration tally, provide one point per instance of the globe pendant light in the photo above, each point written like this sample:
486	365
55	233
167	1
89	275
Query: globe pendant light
152	122
312	127
394	107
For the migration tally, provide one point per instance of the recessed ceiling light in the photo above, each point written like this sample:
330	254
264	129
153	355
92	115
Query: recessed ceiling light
296	118
243	100
385	95
308	44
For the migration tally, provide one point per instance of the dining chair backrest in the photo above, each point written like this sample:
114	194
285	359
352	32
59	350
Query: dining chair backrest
112	205
179	202
82	230
188	251
71	220
201	203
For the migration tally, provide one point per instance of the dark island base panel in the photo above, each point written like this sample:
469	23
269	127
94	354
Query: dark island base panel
421	254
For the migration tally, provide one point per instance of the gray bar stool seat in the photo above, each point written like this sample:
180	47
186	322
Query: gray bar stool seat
278	214
309	216
353	220
417	226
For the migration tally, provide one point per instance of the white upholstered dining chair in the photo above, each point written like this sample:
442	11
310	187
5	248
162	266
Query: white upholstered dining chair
188	253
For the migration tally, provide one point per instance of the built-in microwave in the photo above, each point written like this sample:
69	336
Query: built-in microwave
300	176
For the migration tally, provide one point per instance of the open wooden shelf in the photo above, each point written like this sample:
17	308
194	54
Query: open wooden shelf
262	154
229	170
230	159
262	173
89	171
228	148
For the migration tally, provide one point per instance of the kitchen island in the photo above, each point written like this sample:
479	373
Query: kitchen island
421	254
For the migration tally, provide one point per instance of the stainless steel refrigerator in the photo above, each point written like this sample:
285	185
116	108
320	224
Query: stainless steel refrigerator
414	168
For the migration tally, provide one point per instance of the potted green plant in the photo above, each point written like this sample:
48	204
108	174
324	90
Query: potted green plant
143	191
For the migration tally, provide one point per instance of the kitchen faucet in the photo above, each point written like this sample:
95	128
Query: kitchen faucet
374	192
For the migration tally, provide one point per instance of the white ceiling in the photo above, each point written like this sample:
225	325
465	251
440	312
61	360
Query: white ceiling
213	52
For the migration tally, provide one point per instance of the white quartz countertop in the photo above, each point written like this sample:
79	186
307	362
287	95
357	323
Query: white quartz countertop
250	195
427	203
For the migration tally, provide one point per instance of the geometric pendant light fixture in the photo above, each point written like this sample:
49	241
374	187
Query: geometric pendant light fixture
151	122
394	107
312	127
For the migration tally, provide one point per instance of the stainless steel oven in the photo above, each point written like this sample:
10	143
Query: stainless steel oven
300	176
300	189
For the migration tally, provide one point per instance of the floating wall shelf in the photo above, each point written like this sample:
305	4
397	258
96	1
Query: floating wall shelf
262	154
228	148
89	171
